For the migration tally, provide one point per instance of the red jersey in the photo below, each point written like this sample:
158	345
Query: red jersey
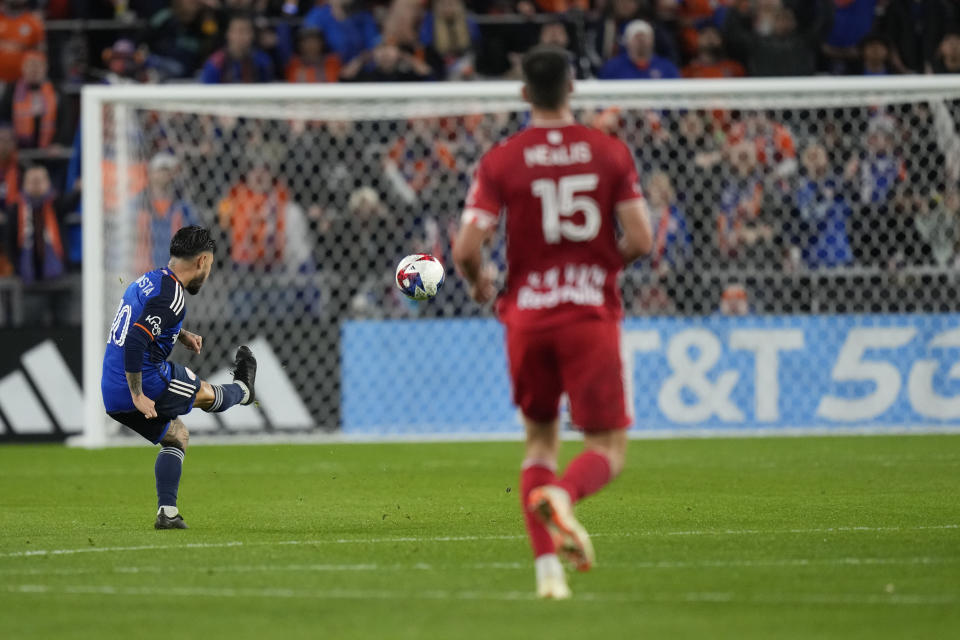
558	187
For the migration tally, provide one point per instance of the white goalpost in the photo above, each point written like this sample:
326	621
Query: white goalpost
804	279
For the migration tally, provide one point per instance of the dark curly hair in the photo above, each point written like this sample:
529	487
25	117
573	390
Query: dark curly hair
191	241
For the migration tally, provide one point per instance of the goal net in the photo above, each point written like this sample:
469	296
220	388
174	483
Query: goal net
803	276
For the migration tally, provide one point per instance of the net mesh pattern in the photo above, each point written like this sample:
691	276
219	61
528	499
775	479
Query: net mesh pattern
781	204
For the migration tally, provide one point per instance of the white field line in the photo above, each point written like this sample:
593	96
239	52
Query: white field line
361	541
480	566
508	596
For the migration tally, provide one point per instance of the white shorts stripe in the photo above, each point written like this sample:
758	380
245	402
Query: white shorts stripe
182	385
179	393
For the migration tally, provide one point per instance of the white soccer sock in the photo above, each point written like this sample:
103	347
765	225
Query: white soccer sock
246	391
171	512
548	566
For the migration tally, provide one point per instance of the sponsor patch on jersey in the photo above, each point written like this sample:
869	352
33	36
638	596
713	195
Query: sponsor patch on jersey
154	322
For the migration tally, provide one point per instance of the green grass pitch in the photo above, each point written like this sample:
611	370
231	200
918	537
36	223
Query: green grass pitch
753	538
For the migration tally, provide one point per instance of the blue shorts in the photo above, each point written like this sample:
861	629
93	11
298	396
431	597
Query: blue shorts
176	400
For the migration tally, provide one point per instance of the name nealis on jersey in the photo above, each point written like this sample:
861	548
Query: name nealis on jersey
150	316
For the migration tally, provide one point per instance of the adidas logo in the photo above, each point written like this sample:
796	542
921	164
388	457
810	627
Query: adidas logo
42	398
278	403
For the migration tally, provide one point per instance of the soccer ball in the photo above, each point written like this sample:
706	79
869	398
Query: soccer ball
420	276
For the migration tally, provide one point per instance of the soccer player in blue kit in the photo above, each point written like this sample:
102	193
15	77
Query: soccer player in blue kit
143	391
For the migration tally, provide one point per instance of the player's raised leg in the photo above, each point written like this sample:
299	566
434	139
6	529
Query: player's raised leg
168	469
216	398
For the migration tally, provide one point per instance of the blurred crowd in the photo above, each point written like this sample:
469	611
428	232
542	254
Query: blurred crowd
750	191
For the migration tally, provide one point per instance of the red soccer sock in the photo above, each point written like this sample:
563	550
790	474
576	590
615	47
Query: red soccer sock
531	477
586	474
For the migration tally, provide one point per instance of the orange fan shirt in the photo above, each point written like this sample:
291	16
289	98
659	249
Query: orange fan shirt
18	34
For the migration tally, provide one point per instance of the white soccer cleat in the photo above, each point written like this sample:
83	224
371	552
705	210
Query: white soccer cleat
551	580
552	506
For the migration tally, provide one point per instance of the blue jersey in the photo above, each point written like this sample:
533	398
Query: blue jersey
141	338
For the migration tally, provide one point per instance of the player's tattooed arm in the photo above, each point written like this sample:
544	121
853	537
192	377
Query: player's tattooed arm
135	382
143	404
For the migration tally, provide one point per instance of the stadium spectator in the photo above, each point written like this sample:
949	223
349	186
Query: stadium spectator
695	15
9	168
638	61
711	60
880	168
386	63
672	244
553	33
734	301
948	55
267	230
160	212
347	29
239	60
875	174
665	19
453	36
774	143
820	232
32	229
312	63
915	29
772	43
182	36
606	35
401	27
852	21
33	105
276	42
875	56
21	30
374	237
742	228
937	221
125	63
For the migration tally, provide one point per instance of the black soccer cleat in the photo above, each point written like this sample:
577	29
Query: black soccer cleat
245	370
165	522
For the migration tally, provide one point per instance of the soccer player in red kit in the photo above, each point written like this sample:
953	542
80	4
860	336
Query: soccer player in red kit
562	188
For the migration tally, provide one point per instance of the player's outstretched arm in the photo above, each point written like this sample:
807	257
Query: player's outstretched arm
637	238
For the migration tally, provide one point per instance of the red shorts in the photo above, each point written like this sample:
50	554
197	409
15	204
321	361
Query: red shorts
581	359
